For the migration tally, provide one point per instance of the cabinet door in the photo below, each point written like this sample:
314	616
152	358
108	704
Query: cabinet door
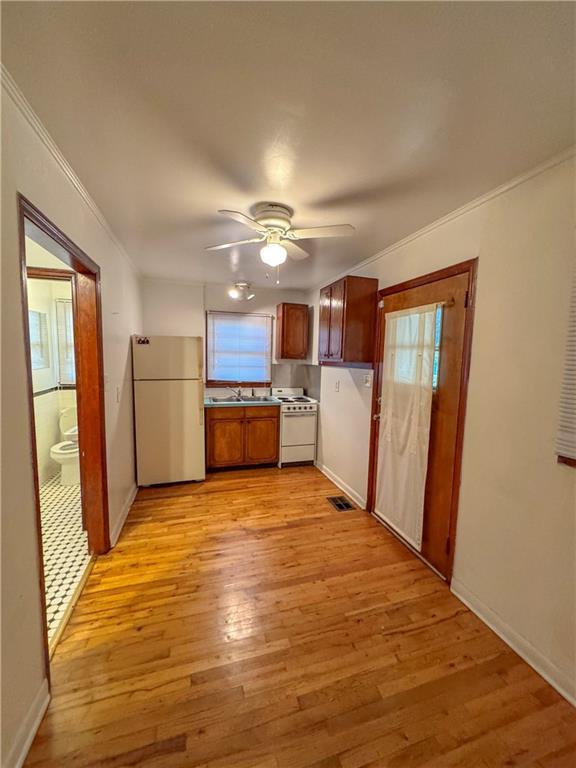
293	332
261	441
324	324
225	442
336	320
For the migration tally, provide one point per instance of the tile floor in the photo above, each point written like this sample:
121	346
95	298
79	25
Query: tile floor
65	547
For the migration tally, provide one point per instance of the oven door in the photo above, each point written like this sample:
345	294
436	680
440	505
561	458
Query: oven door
299	428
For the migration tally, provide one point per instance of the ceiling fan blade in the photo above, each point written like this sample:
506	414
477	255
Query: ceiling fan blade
338	230
246	220
295	251
231	245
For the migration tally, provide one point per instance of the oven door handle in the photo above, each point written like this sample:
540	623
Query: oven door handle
297	415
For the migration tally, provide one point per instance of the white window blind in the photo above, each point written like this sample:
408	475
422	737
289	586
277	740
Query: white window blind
566	444
65	336
39	347
239	347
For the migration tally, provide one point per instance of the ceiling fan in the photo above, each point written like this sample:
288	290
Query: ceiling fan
273	222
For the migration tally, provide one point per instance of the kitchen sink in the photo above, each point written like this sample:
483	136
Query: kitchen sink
244	399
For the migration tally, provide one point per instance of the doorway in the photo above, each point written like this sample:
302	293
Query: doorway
423	347
63	336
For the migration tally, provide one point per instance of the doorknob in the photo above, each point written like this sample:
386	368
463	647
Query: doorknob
376	417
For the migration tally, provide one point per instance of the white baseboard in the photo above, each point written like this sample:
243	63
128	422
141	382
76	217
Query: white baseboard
360	501
549	671
28	728
119	524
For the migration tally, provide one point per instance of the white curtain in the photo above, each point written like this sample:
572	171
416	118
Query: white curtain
406	404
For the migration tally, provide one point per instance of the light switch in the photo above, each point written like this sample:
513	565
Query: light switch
367	380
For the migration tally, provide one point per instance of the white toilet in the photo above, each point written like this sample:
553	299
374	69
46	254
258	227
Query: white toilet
67	453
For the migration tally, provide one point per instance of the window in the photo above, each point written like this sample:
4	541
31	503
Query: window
39	349
239	348
65	337
437	342
566	442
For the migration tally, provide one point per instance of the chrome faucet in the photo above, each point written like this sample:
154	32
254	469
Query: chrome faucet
237	391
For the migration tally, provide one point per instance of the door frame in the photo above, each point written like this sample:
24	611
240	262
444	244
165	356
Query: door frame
87	310
469	267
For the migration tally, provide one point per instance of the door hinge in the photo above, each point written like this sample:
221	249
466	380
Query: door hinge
448	545
466	297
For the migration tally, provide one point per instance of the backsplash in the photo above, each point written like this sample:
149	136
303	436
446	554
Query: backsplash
283	375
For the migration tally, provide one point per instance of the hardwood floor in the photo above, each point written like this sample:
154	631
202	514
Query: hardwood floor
244	623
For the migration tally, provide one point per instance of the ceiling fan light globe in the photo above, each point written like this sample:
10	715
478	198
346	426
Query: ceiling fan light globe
273	254
234	293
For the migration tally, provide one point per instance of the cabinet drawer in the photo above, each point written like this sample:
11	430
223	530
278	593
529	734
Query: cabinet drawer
232	412
262	412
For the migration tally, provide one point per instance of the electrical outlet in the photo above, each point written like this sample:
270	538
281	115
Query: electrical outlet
367	380
337	386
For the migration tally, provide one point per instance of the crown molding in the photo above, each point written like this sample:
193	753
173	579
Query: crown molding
11	88
552	162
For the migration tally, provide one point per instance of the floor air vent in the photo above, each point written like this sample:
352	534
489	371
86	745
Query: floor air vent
340	503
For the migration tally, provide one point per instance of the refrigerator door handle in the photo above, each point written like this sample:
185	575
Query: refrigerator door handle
201	404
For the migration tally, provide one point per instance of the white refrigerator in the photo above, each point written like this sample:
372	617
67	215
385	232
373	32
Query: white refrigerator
168	408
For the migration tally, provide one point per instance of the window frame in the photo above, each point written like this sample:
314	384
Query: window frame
63	344
227	383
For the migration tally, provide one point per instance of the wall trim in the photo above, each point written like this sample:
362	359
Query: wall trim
359	500
531	655
552	162
24	107
28	728
119	524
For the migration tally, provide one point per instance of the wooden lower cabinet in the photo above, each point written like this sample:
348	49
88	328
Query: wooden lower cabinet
261	441
238	437
225	443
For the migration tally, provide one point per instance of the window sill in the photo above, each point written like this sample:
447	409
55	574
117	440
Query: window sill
217	383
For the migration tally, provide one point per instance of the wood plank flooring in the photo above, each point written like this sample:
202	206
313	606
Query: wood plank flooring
244	623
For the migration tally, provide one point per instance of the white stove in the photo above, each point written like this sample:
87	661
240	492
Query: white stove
298	425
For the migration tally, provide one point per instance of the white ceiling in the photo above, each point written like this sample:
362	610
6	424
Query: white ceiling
382	115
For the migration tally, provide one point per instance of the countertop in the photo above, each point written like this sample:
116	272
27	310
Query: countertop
241	403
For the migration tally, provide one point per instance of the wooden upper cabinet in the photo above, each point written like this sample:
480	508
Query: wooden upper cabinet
324	324
347	319
291	331
335	347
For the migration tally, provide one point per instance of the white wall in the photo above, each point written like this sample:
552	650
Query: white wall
32	165
179	309
515	559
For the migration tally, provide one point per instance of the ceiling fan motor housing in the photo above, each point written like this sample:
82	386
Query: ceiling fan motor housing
274	215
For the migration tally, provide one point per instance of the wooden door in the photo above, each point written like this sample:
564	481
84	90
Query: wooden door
225	442
292	332
324	324
447	417
337	297
261	440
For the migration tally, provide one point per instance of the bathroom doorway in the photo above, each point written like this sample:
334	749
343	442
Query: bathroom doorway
66	390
